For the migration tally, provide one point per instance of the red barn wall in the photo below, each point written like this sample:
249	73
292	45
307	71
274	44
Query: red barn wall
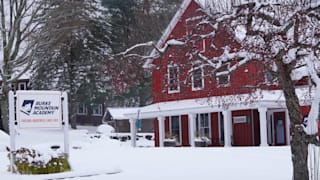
246	75
156	133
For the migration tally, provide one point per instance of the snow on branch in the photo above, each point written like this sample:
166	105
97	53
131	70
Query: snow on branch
171	42
148	44
128	52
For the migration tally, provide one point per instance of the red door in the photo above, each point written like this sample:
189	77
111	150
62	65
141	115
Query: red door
242	131
280	128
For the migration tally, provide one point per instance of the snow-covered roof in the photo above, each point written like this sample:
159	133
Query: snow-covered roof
202	3
169	29
24	76
118	113
268	99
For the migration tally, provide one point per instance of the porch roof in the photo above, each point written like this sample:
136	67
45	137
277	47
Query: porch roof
268	99
118	113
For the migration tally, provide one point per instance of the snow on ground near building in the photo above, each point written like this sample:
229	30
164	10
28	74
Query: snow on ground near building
94	154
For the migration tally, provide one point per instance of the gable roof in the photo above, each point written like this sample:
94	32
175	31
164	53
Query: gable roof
185	4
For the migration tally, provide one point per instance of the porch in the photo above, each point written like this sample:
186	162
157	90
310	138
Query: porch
220	121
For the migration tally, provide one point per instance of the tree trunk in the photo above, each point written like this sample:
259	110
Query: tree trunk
4	107
73	114
299	141
5	113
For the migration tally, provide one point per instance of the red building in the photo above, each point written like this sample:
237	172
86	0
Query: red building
194	108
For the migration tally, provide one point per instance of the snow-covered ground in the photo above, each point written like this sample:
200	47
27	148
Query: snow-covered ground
101	155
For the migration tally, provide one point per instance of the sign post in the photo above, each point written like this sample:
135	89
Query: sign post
12	129
38	110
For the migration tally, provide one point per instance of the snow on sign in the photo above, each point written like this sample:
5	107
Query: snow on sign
39	109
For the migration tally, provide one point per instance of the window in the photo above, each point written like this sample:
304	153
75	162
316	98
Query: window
173	79
221	128
223	75
22	86
203	124
13	87
82	109
269	78
175	130
197	79
97	110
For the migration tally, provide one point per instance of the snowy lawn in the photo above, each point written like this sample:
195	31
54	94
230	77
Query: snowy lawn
98	156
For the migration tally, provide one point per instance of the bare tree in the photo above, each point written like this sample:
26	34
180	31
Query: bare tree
17	45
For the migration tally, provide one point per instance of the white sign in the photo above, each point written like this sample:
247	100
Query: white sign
36	109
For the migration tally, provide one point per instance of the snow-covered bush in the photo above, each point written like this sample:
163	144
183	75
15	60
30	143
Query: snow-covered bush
105	129
30	161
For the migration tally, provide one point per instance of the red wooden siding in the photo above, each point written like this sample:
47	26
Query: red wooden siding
256	125
241	81
305	110
246	75
167	129
215	129
185	130
156	133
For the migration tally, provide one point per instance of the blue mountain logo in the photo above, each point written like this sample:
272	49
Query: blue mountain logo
27	106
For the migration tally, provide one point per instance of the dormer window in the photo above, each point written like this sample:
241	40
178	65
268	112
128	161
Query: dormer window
197	79
173	79
223	75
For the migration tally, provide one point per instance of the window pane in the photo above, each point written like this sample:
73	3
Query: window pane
22	86
97	109
173	78
203	125
82	109
223	80
197	78
175	127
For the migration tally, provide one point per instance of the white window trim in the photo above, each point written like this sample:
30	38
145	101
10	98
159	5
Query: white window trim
203	46
24	83
202	82
85	110
209	124
100	109
227	84
180	130
168	72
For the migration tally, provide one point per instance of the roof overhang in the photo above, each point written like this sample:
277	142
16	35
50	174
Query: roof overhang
268	99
